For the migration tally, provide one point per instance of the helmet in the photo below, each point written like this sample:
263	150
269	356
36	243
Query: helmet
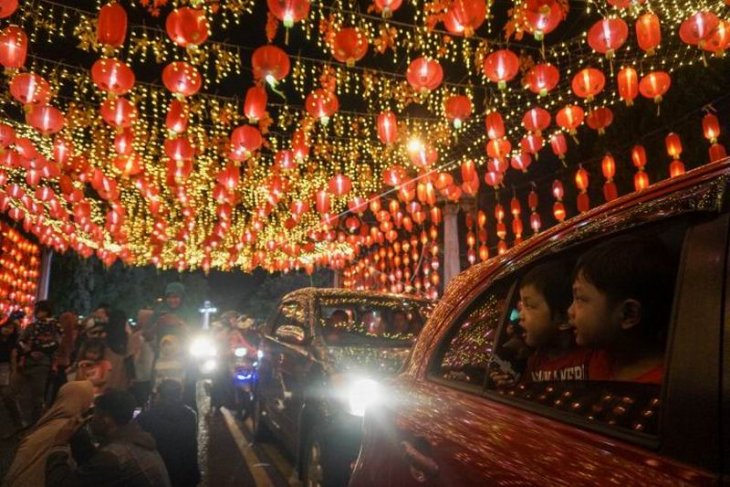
175	289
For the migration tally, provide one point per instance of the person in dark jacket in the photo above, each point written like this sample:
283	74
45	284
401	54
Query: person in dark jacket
175	429
126	456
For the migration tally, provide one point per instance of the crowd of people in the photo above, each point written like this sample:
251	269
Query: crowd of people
96	401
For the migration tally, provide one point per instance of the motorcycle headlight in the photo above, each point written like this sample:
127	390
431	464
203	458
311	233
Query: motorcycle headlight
240	352
209	366
202	347
361	393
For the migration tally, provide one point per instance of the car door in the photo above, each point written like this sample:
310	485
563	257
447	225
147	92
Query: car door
286	366
446	429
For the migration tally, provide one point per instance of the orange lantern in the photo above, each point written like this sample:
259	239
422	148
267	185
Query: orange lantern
340	185
464	17
719	39
607	35
608	167
559	145
638	156
495	125
599	119
501	66
674	145
46	119
181	78
128	165
30	89
711	127
542	17
498	148
676	168
187	26
270	64
245	140
569	118
7	8
542	78
13	47
628	85
654	85
697	28
387	7
424	74
112	75
536	120
468	170
111	27
118	112
387	126
717	152
289	11
349	46
588	82
458	109
648	32
254	107
322	104
581	182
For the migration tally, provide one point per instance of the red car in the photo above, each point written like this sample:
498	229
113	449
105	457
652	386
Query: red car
448	419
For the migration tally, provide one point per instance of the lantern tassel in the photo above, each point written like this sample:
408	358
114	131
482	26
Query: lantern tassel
278	92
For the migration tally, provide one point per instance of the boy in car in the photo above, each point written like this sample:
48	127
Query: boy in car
622	294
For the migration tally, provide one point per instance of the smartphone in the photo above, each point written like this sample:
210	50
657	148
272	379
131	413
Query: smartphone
136	412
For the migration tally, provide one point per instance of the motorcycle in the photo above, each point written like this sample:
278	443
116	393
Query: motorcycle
243	371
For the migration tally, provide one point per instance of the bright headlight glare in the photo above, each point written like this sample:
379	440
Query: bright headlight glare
202	347
240	352
209	366
361	394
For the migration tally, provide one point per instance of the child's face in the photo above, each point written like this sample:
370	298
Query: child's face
591	315
93	355
535	317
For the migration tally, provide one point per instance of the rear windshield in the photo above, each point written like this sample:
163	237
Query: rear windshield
368	321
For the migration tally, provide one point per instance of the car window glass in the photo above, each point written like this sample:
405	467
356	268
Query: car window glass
586	332
467	349
291	313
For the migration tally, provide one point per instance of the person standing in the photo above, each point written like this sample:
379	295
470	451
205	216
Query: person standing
8	358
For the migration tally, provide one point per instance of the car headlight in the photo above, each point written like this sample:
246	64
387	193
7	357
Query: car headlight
202	347
240	352
209	366
362	393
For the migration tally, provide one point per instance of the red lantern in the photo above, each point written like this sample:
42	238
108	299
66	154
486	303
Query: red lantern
458	109
7	135
468	170
719	39
177	117
492	178
322	201
187	26
270	64
608	167
654	85
495	125
322	104
349	46
648	32
284	160
7	8
698	28
300	144
559	145
179	149
532	143
581	182
340	185
118	112
599	119
638	156
13	47
244	141
387	7
181	78
464	17
711	127
501	66
112	76
674	145
588	82
387	126
558	207
676	168
111	28
542	17
569	118
289	11
30	89
717	152
542	78
607	35
521	161
123	142
498	148
536	120
424	74
46	119
254	107
628	85
128	165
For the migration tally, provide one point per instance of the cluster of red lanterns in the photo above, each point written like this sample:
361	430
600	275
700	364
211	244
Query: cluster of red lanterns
19	271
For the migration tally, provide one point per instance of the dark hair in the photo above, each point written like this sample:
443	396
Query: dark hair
44	305
116	331
552	281
119	405
94	345
170	390
633	268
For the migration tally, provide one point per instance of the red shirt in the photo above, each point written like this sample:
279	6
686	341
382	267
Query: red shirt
576	364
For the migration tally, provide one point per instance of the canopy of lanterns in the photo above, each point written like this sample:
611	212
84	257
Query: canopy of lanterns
296	134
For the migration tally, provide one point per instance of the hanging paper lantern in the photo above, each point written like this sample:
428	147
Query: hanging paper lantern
181	78
187	26
501	66
464	17
46	119
289	11
588	82
558	207
608	167
458	109
542	17
599	119
638	158
179	149
717	152
112	76
118	112
495	125
711	127
7	135
177	116
581	182
628	85
521	161
498	148
648	32
129	165
322	104
284	160
254	106
542	78
300	144
569	118
719	39
270	64
424	74
322	201
697	28
493	179
654	85
349	46
424	155
607	35
559	145
536	120
468	170
674	145
30	89
387	7
340	185
111	27
532	143
387	126
7	8
123	142
13	47
245	140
